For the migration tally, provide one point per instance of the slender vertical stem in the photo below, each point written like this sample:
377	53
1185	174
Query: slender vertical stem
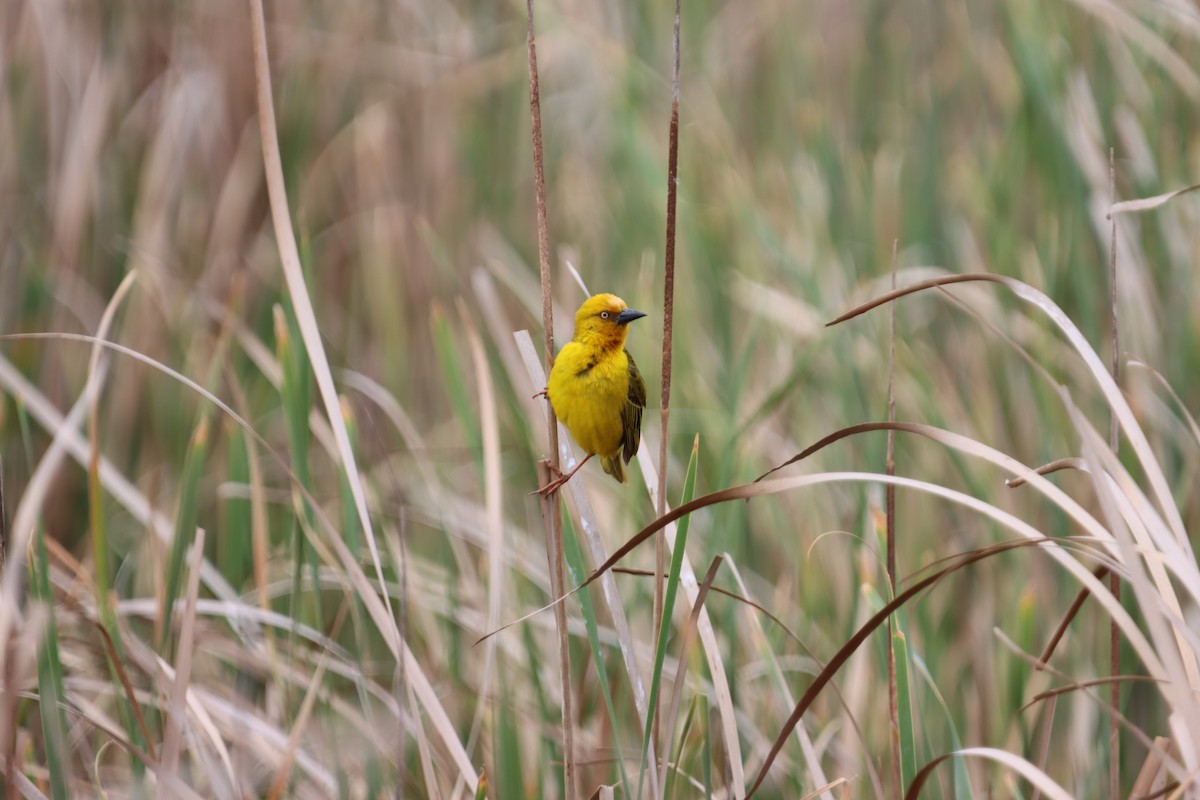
890	505
551	505
660	613
1114	580
3	518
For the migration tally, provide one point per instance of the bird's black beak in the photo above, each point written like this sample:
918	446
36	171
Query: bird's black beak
629	315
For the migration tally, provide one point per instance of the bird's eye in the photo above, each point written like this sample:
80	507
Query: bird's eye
603	315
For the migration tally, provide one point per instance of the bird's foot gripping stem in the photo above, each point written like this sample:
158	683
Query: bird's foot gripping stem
557	483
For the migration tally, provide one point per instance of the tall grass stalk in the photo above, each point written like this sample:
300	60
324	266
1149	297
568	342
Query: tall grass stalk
662	612
551	503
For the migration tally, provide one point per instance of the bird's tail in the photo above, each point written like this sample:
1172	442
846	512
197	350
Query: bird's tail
613	466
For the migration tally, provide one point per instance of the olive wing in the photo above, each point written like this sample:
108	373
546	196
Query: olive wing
631	413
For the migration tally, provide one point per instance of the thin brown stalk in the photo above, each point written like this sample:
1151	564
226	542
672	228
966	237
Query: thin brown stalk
660	613
1114	580
3	517
10	788
1072	611
890	502
685	642
1043	747
1053	466
10	720
176	701
551	505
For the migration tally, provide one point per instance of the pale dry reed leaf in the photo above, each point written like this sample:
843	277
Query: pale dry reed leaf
825	790
708	637
26	787
74	189
493	499
176	714
782	308
306	318
387	403
1181	676
1192	425
1149	203
1041	781
423	752
298	726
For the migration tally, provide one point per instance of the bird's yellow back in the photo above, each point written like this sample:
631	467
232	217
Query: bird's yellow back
595	387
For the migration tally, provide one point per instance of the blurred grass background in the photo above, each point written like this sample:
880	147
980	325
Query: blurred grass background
812	136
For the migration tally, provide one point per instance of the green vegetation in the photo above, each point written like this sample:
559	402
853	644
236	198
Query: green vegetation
362	483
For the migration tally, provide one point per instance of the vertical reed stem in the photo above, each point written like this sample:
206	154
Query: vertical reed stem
890	506
1114	579
660	613
551	505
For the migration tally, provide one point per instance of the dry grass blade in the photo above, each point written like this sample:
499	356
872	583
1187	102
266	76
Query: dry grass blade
1149	203
306	318
1031	773
1053	466
493	500
26	787
1078	685
1068	618
177	703
284	772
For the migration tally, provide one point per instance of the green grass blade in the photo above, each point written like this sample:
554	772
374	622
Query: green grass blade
962	784
185	523
706	752
578	573
908	750
453	371
677	757
295	392
233	540
689	491
510	781
50	677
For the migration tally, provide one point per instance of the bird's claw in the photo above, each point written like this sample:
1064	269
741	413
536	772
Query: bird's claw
543	393
554	484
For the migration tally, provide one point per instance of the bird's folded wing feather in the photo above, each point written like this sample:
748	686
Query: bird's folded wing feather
631	413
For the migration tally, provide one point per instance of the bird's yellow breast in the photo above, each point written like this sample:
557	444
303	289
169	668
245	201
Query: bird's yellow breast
588	387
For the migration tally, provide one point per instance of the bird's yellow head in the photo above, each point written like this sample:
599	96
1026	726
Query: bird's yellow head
602	321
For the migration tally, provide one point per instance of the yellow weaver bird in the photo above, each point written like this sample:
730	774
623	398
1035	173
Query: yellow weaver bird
596	389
